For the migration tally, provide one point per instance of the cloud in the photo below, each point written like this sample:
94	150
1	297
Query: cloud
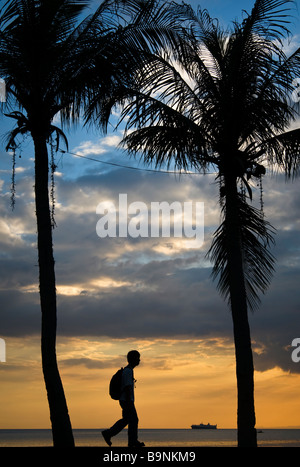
90	147
90	363
291	44
143	287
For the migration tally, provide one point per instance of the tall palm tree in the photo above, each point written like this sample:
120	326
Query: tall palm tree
54	61
41	60
222	99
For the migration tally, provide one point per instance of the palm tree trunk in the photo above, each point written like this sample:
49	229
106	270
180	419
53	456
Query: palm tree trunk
61	426
242	338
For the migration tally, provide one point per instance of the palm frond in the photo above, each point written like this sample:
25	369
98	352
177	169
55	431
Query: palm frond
153	24
283	152
21	129
169	143
160	131
272	110
270	18
256	235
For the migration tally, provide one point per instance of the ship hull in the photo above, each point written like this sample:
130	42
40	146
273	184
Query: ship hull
204	427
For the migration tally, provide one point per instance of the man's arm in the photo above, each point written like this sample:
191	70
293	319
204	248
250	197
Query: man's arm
127	391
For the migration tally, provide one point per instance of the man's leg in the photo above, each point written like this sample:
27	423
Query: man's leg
129	414
115	429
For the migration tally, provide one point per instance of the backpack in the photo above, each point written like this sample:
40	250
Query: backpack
115	385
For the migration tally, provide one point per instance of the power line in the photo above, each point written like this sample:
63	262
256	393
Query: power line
134	168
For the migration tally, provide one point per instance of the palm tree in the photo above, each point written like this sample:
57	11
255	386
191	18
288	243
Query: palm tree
53	61
222	99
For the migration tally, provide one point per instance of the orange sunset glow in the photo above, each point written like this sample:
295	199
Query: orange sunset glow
150	288
179	382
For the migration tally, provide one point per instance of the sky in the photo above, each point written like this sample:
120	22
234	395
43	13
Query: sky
154	294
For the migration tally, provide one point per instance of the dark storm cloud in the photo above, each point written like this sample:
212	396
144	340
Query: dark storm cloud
167	309
277	322
20	314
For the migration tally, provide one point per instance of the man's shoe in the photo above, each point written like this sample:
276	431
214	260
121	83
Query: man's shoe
106	437
137	444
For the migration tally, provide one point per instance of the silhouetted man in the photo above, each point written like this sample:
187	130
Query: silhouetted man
129	414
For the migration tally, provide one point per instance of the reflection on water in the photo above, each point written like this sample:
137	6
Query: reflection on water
154	438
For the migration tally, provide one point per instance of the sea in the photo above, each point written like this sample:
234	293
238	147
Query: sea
156	438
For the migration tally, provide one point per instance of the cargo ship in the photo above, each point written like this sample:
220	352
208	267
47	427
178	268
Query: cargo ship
201	426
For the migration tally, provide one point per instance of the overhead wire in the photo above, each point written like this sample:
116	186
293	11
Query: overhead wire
141	169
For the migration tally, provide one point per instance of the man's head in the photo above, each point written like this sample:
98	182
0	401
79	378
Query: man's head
133	358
